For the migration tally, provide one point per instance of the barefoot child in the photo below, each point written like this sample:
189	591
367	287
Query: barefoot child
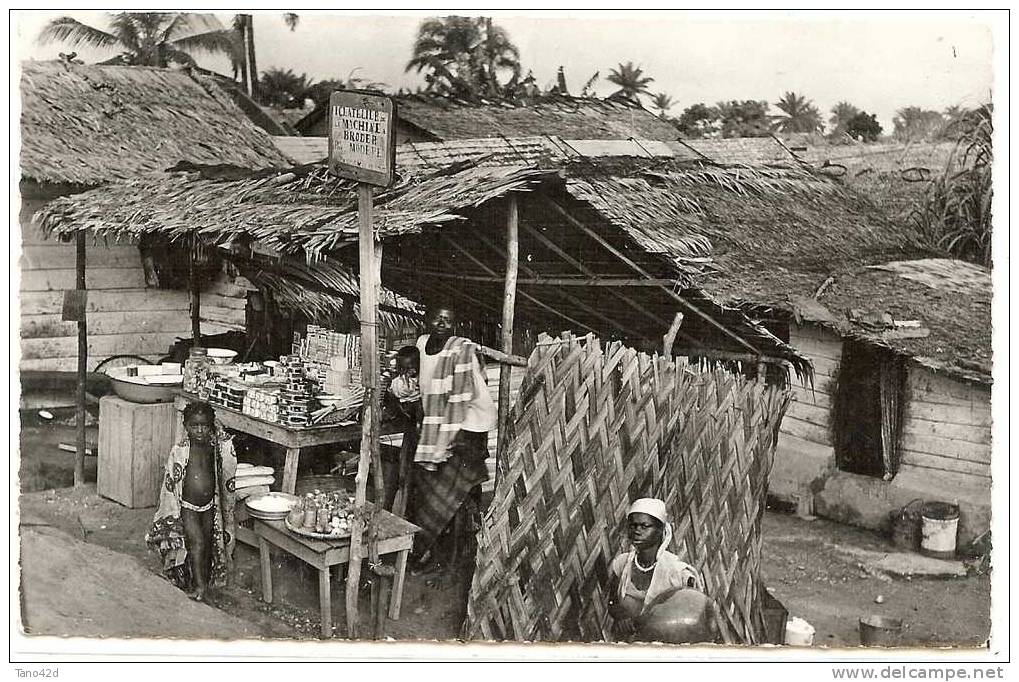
193	530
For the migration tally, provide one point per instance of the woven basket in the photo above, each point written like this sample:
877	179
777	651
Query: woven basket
592	430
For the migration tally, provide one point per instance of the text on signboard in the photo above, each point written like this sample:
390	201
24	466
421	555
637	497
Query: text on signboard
362	131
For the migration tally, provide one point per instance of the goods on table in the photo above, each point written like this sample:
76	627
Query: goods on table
333	359
249	476
322	513
196	371
324	364
271	506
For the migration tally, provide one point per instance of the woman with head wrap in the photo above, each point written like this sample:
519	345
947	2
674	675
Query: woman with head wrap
648	573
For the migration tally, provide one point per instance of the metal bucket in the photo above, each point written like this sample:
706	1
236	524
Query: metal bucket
880	631
940	529
906	526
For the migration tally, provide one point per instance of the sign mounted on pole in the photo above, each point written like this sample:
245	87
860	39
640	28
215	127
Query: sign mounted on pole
362	136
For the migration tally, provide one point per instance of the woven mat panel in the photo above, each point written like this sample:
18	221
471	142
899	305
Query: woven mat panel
593	429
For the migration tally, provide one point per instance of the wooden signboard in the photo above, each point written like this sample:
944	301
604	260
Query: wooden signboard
362	136
362	147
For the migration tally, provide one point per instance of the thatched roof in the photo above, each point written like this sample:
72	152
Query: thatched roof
756	152
442	119
90	124
937	311
305	210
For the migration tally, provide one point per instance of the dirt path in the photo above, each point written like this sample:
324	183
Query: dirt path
72	587
814	568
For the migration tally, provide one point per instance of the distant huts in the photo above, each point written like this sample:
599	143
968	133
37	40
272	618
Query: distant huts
83	126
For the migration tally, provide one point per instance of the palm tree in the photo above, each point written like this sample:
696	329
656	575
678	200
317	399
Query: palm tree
243	54
915	123
662	103
800	115
279	87
463	56
631	81
146	38
841	114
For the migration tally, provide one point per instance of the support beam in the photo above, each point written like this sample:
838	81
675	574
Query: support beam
196	294
547	281
638	269
555	248
523	294
79	421
508	307
573	300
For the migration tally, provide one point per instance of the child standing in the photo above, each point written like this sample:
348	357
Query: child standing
194	527
405	387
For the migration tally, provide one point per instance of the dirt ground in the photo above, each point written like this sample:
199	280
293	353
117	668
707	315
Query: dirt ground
821	571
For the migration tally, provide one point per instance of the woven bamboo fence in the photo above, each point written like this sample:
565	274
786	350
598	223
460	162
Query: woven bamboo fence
592	430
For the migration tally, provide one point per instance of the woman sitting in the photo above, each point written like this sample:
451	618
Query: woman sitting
649	575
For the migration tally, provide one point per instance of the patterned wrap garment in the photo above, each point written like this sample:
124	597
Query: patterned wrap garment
167	533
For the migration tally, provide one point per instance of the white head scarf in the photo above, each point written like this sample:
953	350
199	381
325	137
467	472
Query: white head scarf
654	508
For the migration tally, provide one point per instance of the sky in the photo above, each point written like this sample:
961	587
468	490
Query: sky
878	62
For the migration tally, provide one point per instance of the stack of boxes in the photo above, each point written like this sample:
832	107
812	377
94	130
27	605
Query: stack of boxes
293	401
226	394
262	404
333	359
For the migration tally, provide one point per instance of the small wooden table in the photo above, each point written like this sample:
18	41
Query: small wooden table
396	535
292	438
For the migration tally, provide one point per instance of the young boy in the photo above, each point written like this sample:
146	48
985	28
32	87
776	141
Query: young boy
404	387
193	530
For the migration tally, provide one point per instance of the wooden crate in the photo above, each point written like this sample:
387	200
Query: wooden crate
134	443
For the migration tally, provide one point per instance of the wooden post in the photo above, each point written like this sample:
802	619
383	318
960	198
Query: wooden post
196	296
370	380
508	304
79	452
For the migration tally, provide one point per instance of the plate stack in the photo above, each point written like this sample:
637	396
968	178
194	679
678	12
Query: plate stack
251	480
271	506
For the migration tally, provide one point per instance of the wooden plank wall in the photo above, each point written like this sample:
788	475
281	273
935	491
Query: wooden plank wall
124	316
223	304
804	429
946	433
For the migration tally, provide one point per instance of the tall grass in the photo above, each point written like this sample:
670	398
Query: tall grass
955	215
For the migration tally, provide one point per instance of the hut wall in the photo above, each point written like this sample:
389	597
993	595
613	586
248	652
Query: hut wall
805	456
223	303
945	455
124	317
947	429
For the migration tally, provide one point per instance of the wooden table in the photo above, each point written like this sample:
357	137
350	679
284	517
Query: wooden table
395	536
294	439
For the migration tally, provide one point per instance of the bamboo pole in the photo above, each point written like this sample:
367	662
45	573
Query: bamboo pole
196	296
508	305
79	421
369	379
